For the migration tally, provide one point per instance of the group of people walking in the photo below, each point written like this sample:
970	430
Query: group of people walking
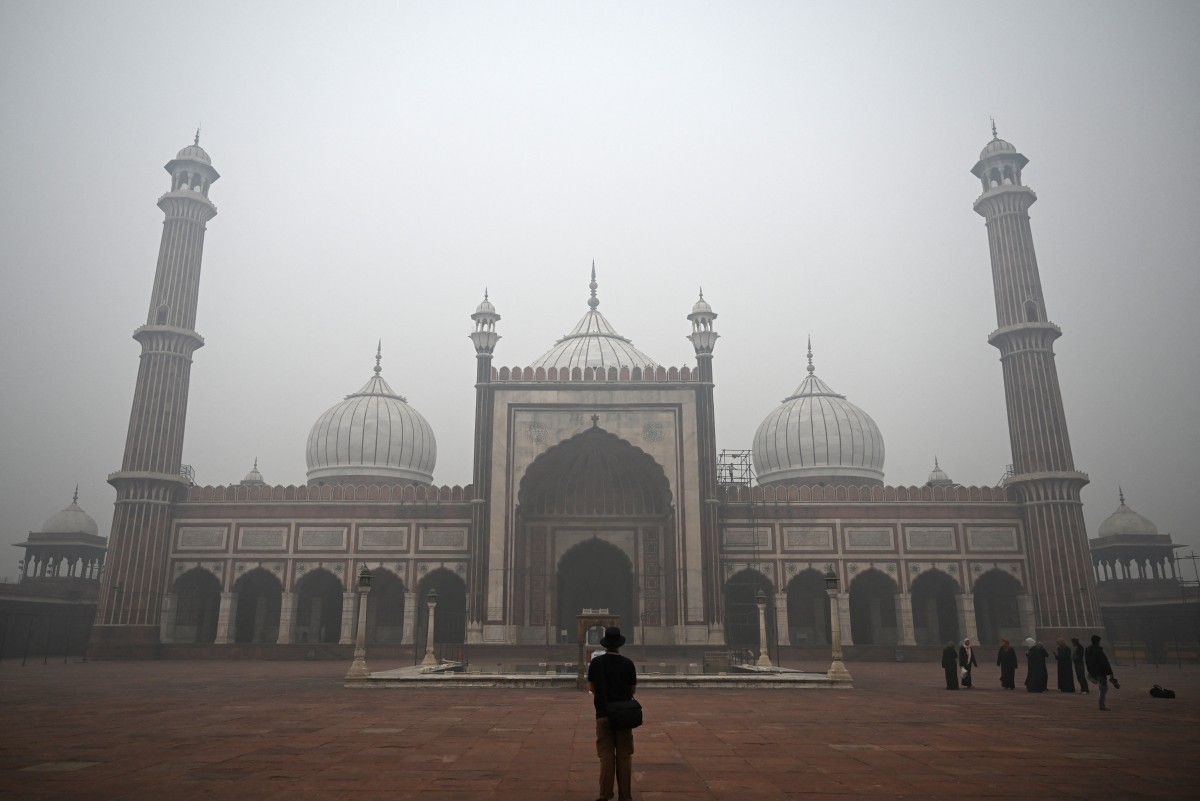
1075	665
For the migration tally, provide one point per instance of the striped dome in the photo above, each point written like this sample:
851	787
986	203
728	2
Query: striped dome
593	343
373	436
816	436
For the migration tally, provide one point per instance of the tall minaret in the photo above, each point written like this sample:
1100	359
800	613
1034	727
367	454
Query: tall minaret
704	340
1044	475
484	337
150	478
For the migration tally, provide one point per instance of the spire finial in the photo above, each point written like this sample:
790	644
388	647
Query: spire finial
255	462
811	369
1121	494
593	301
485	291
75	497
196	141
935	464
378	357
994	134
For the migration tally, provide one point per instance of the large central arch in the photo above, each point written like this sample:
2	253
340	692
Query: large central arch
594	528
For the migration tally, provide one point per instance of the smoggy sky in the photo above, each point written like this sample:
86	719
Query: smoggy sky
807	164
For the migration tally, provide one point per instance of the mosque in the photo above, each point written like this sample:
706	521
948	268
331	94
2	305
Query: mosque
597	484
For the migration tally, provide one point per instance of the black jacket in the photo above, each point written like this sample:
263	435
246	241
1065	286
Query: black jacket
1096	661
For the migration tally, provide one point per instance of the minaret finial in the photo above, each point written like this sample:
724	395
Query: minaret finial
196	141
994	134
1121	494
935	464
811	369
593	301
378	357
701	293
75	497
485	291
255	462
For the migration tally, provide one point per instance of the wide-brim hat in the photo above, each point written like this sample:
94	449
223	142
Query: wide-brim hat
612	638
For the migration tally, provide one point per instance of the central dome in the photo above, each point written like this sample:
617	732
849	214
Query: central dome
371	437
816	436
593	343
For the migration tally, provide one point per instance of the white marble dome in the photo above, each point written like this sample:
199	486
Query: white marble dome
71	520
373	436
194	153
816	436
593	342
1126	522
997	145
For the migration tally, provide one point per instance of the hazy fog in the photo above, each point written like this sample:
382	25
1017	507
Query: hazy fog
806	163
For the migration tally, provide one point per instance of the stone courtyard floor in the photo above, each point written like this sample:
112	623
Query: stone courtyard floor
174	731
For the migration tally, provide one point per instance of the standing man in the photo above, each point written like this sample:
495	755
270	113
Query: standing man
1077	661
967	661
612	677
1097	667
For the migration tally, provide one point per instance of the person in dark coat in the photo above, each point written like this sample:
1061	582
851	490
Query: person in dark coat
1007	660
1036	677
1078	661
1066	671
966	661
1098	667
950	665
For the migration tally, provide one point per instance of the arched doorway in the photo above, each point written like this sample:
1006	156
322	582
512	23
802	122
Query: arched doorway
259	594
197	604
385	608
594	494
935	613
997	612
808	609
595	575
319	607
450	614
873	608
741	610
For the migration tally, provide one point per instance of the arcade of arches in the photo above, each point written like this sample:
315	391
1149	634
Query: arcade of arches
595	530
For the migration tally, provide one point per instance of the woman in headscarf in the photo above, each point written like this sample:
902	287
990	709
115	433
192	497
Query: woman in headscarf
1007	660
1036	676
950	665
966	660
1066	678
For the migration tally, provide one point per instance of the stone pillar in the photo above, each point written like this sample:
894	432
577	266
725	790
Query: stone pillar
965	606
410	618
347	637
287	607
843	602
1025	611
904	619
781	619
166	623
227	619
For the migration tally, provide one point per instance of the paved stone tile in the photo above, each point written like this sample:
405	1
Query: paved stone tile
208	731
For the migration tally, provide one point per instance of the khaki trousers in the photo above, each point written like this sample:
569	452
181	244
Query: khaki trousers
615	749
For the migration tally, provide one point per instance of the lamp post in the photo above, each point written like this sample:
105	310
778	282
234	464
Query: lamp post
764	660
837	670
358	668
430	660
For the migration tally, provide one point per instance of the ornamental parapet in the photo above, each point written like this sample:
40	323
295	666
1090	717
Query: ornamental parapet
650	374
841	493
406	493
